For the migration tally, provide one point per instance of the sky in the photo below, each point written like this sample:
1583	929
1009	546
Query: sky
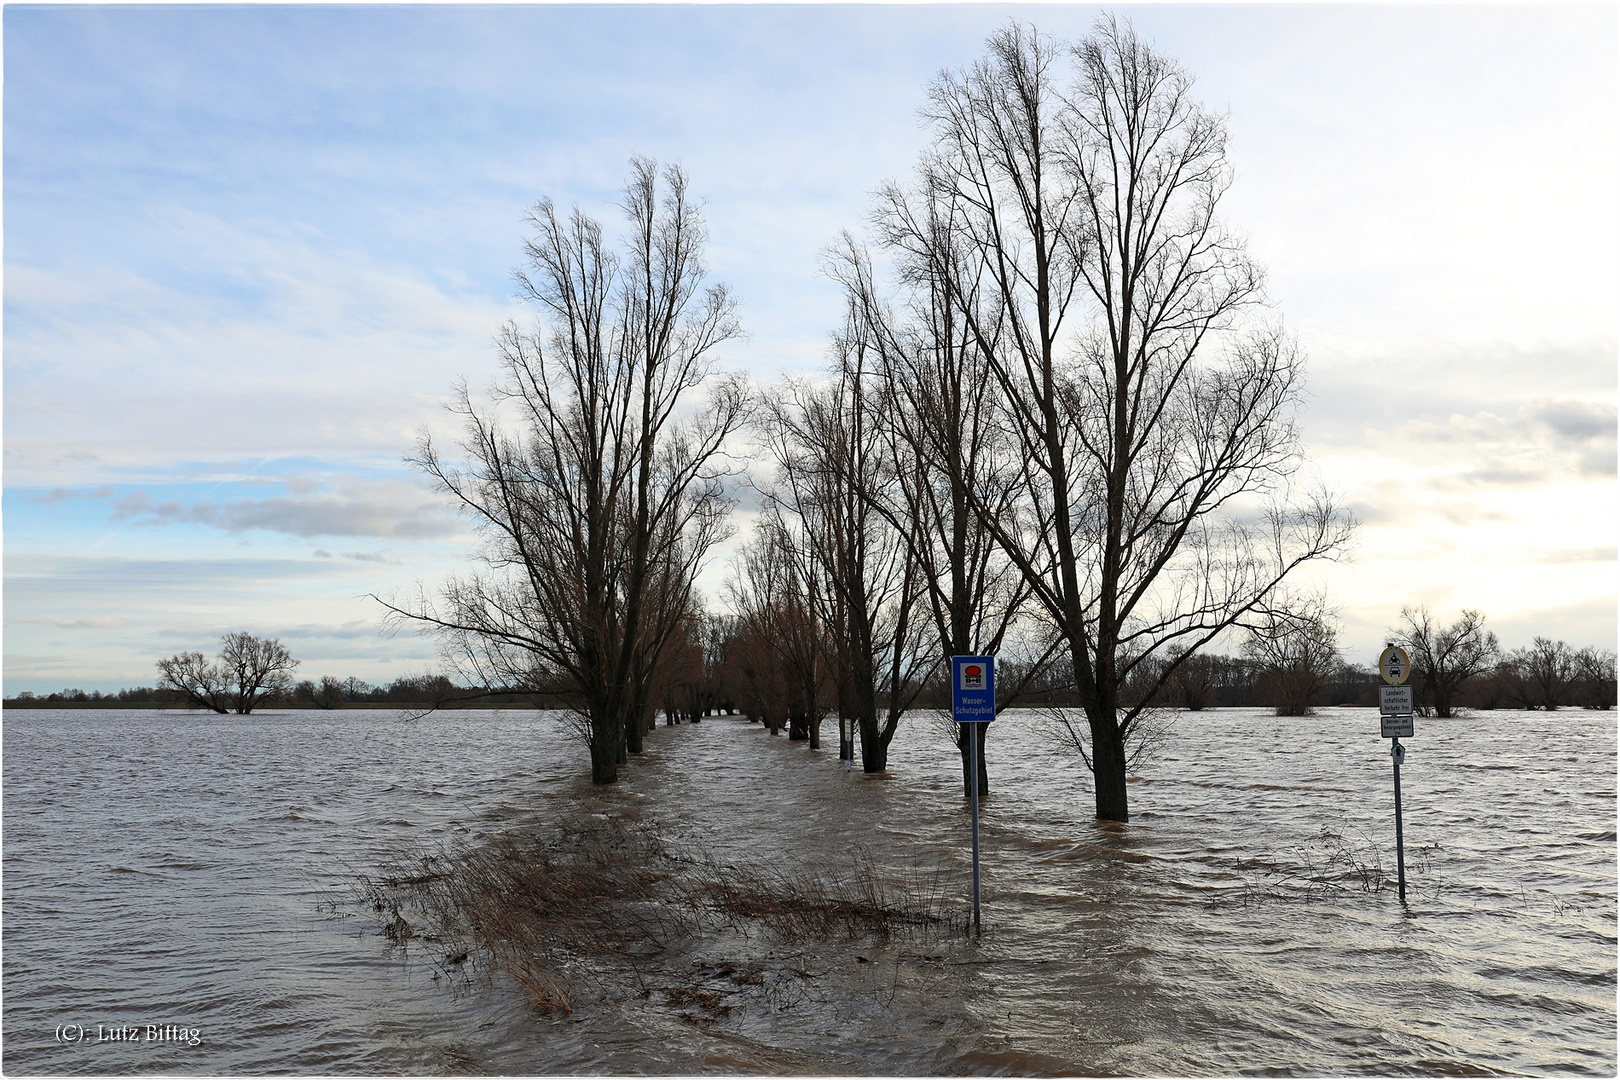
249	252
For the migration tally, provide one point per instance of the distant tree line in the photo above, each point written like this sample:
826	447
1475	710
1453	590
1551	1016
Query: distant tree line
252	672
775	673
325	693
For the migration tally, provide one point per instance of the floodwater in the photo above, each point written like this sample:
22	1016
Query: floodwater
175	892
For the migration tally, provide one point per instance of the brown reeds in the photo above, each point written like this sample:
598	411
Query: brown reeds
538	907
798	902
565	911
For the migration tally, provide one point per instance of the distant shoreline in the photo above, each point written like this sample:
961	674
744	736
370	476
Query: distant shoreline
9	704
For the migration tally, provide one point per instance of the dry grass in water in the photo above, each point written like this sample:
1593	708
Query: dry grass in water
797	903
566	912
1336	863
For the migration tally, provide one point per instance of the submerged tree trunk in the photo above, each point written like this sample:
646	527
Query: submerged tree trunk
798	727
607	748
874	748
976	732
1108	767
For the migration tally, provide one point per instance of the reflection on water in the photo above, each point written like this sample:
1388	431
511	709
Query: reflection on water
169	869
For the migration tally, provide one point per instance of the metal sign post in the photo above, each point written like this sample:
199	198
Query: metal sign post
973	702
1395	709
1398	752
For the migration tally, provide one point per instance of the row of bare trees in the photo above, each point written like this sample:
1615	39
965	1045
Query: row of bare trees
1058	425
1057	412
1462	663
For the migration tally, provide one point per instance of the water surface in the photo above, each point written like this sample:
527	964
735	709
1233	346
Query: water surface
170	872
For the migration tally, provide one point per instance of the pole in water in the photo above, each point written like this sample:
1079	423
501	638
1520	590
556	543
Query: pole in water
972	733
1397	752
973	704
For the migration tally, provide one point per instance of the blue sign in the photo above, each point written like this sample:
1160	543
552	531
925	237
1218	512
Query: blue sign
973	689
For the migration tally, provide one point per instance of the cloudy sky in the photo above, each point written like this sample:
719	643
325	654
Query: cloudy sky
248	252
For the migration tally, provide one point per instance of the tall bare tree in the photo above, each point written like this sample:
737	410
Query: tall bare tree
1445	657
598	509
1116	317
947	444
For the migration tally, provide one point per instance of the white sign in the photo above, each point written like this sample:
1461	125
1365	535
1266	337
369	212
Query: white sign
1395	727
1395	701
1394	665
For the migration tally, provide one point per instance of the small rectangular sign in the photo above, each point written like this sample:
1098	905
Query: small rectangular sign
1395	700
1395	727
973	689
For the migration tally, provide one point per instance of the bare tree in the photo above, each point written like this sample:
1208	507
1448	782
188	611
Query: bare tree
1445	657
776	591
834	468
944	438
1193	685
201	681
1542	674
597	512
1114	315
1295	651
249	669
326	694
1595	677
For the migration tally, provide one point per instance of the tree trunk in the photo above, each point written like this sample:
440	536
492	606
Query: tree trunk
1441	693
963	733
874	751
606	750
1108	766
798	727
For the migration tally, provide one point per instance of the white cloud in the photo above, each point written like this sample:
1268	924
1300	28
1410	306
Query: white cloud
96	622
1547	440
56	495
378	509
292	347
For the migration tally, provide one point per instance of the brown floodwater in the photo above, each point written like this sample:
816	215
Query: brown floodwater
177	899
